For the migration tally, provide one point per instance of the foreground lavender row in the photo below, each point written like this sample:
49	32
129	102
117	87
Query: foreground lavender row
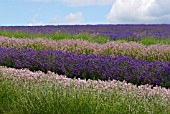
131	49
96	85
89	66
113	31
35	92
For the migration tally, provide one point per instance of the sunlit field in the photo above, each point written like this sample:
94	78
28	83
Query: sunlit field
85	69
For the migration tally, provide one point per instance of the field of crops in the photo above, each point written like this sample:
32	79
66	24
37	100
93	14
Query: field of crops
92	69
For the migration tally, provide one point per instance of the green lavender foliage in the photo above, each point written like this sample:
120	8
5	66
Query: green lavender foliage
47	97
56	36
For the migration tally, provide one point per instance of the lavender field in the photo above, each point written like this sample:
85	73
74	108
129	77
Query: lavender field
94	69
114	32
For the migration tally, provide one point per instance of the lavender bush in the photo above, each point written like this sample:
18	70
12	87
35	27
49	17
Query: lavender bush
96	85
129	32
131	49
22	91
88	66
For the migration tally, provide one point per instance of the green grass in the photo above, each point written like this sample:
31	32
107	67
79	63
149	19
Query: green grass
47	97
152	41
56	36
122	41
148	41
84	36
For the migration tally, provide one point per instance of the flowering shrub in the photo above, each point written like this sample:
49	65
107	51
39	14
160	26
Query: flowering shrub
131	49
88	66
97	85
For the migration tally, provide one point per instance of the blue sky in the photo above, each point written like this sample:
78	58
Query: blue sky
55	12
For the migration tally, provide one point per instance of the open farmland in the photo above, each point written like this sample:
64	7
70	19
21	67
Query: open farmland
93	69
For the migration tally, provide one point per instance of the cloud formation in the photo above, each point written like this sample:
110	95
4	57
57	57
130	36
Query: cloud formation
122	11
36	0
72	18
87	2
78	3
139	11
35	23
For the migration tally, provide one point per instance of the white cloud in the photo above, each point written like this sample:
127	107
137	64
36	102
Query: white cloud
35	0
77	2
87	2
54	20
72	18
139	11
35	23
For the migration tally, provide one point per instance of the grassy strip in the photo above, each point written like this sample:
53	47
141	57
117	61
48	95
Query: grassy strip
30	97
152	41
84	36
148	41
56	36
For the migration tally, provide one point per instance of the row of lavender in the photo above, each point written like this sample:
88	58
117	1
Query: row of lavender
94	85
88	66
113	31
131	49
